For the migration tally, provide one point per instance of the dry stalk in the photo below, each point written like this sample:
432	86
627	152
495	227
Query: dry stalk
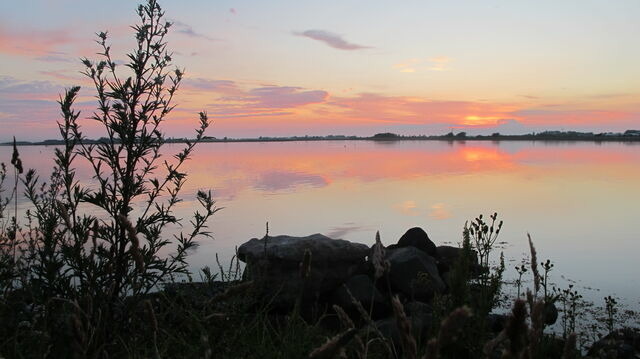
79	337
153	321
537	326
344	317
348	324
516	328
534	266
334	346
409	346
369	322
452	325
492	344
380	265
135	243
449	330
432	349
305	266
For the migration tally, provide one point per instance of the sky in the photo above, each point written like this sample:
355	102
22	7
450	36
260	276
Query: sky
350	67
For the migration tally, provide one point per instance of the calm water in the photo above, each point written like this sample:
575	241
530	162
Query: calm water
579	201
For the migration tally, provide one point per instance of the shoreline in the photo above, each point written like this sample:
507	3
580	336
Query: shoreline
445	138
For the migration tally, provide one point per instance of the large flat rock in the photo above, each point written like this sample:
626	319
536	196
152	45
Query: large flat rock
291	249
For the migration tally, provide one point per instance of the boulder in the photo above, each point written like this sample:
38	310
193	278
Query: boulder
622	343
420	310
274	265
550	313
448	255
388	327
291	249
414	273
418	238
365	292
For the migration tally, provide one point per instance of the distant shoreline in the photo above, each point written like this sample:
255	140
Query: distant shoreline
388	137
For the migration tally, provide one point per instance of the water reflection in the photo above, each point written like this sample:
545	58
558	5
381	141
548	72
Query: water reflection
579	200
273	181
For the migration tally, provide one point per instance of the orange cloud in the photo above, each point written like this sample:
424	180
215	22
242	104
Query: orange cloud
412	110
438	63
439	211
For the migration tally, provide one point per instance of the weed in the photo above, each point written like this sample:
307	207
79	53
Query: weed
89	249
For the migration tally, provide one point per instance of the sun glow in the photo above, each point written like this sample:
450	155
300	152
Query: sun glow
480	120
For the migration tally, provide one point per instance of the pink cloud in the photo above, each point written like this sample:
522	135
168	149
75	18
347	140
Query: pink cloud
34	42
285	97
225	87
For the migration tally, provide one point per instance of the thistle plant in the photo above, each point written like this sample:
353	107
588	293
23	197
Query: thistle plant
521	269
611	309
547	266
571	306
484	236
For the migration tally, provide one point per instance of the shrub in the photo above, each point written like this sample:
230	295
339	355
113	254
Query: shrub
89	250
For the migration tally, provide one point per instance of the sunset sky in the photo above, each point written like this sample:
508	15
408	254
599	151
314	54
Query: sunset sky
279	68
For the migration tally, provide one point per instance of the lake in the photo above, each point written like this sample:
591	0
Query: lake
580	201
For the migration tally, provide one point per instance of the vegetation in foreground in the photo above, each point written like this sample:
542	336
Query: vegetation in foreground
82	272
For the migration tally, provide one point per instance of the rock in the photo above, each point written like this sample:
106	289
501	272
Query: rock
420	327
418	238
448	255
276	270
287	248
414	273
364	291
550	313
622	343
420	310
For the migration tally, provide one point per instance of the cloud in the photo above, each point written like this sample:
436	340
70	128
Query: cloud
64	75
342	230
405	110
28	42
259	101
439	63
11	85
530	97
20	112
186	29
407	66
331	39
285	97
53	58
409	208
226	87
439	211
